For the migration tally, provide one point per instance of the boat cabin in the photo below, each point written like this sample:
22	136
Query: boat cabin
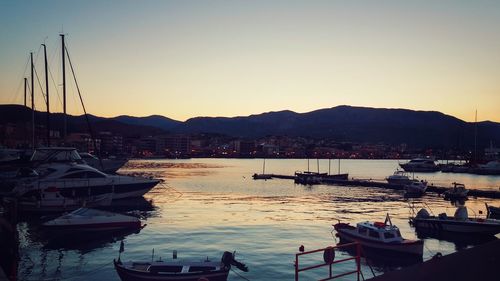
56	154
379	231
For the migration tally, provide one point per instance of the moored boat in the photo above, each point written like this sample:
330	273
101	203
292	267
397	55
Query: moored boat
398	178
420	165
177	270
459	223
415	188
381	236
458	191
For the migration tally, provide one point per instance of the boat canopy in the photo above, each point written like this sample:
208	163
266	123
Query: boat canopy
55	154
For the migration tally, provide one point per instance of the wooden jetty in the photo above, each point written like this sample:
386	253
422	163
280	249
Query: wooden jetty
370	183
478	263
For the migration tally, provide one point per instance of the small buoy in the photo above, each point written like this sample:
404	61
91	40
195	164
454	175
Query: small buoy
329	255
301	248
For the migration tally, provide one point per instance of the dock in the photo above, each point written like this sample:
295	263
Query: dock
478	263
494	194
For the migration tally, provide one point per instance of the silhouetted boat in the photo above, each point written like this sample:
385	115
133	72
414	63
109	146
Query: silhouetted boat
458	191
399	178
177	270
420	165
262	176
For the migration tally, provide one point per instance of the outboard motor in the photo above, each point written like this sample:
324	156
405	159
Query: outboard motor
228	260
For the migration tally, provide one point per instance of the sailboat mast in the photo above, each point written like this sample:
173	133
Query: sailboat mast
317	163
25	89
47	93
475	138
63	48
264	166
32	103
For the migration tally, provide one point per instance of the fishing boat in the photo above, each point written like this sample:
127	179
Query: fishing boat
458	191
398	178
92	220
381	236
176	270
459	223
420	165
415	188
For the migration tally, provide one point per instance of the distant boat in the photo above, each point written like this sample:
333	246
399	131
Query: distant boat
381	236
92	220
415	188
398	178
459	223
490	168
262	176
458	191
420	165
177	270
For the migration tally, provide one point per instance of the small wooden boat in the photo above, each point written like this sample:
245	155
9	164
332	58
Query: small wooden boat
381	236
85	219
458	191
459	223
177	270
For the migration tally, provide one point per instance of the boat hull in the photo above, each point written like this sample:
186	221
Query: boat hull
409	247
476	227
135	275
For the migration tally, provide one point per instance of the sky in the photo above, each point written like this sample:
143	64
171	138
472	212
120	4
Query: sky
183	59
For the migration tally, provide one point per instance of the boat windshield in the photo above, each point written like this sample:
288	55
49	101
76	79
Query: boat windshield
55	155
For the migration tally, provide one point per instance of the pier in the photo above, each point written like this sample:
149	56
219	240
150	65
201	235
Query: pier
478	263
494	194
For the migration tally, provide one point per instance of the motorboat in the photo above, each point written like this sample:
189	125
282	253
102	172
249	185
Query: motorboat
459	223
420	165
380	236
108	165
398	178
490	168
415	188
177	270
458	191
62	172
87	219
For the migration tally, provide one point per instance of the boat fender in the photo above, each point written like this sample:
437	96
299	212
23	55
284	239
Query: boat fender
329	255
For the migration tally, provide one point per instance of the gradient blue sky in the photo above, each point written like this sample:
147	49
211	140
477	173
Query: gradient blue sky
227	58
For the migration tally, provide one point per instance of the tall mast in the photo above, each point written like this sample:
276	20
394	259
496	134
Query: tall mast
25	89
63	47
47	93
475	138
32	103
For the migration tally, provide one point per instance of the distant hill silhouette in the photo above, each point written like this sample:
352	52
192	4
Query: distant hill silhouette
342	123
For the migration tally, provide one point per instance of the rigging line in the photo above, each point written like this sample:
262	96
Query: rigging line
92	136
243	277
41	88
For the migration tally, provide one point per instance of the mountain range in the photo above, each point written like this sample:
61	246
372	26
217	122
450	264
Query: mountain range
341	123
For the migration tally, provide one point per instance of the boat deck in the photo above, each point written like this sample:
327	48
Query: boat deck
478	263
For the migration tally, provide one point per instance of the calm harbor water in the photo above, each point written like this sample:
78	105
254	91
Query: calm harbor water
207	206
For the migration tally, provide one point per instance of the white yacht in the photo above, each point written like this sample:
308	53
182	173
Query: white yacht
420	165
398	178
63	175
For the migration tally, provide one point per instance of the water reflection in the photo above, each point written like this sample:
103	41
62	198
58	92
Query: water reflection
206	206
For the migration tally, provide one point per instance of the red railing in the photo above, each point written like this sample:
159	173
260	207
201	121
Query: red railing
329	260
